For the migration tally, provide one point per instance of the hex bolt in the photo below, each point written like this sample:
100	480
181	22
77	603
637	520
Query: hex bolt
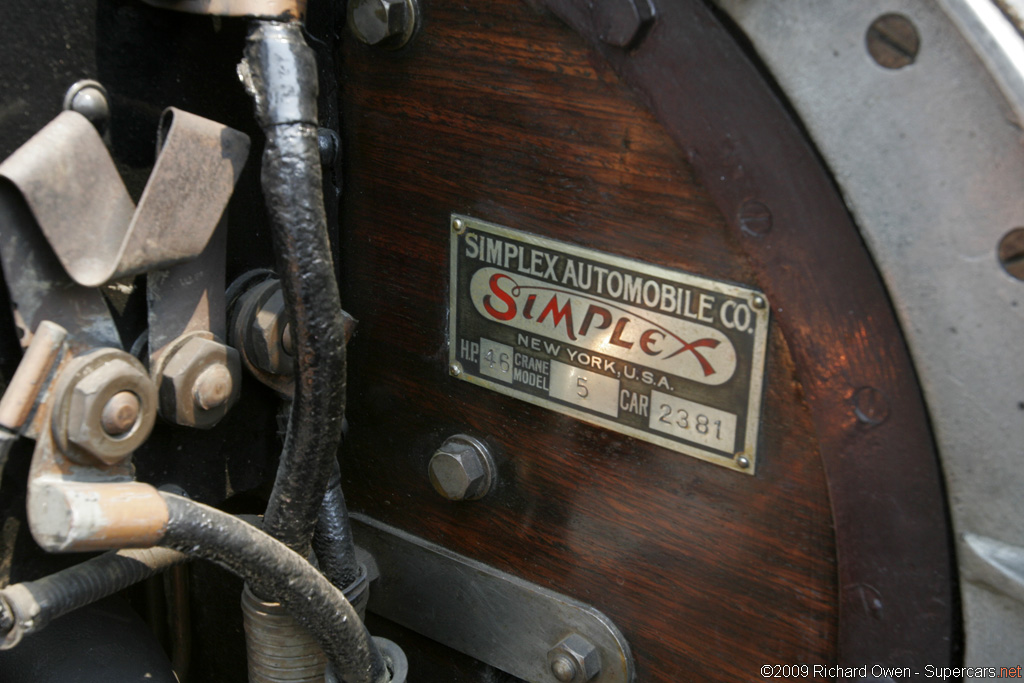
120	413
388	23
266	337
105	407
198	381
574	660
462	469
622	23
89	98
213	387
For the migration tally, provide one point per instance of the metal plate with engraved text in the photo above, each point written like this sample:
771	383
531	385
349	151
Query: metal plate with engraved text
658	354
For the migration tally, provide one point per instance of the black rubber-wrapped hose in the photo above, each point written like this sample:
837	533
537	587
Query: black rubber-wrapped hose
273	569
332	540
28	607
279	71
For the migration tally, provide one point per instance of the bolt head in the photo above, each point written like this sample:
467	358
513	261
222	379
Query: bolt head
110	410
266	338
376	22
199	383
461	469
577	656
621	23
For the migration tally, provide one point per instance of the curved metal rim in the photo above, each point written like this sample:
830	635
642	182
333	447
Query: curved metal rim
895	570
930	161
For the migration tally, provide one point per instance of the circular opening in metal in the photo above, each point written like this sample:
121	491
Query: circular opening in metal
892	41
1011	253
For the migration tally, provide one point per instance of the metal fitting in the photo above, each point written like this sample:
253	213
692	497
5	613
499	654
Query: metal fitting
89	98
388	23
574	660
622	23
199	380
266	336
105	407
462	469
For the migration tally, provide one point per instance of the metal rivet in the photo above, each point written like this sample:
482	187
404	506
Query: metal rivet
455	369
892	41
459	226
563	668
758	301
89	98
742	461
1011	253
120	413
870	406
755	218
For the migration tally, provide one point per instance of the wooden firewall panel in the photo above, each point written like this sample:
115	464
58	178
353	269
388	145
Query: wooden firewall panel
500	112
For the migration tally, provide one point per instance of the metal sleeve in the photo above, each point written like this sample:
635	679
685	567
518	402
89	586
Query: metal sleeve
271	569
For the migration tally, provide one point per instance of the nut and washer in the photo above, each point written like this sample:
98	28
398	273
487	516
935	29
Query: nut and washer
199	382
388	23
462	469
105	407
574	660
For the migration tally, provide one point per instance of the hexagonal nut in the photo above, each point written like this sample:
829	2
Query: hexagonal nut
586	658
266	337
378	21
89	397
182	380
461	469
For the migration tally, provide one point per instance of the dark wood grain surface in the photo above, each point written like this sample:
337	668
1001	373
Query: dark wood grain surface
499	112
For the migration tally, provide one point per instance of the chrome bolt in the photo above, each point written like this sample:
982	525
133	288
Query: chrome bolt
461	469
574	660
213	387
388	23
758	301
742	461
89	98
455	369
120	413
459	226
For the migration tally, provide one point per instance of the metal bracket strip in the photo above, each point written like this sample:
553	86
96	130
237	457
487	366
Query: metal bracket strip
72	188
497	618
